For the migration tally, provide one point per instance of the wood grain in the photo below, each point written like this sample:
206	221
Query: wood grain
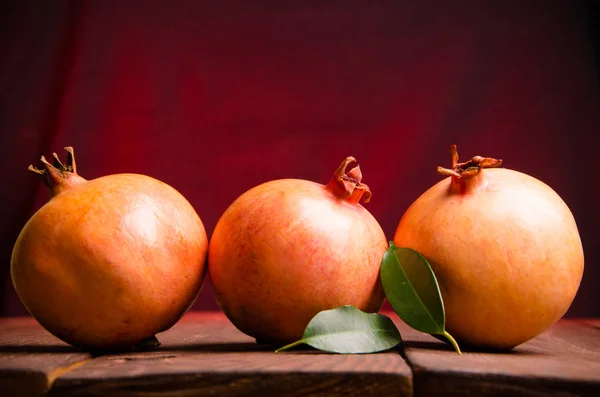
31	358
563	361
205	355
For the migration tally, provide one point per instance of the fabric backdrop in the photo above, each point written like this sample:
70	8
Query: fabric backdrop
215	97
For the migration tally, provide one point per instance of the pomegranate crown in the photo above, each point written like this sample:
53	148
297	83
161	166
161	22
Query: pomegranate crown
469	168
57	170
59	176
348	185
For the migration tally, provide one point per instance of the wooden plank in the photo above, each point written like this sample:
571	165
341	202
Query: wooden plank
31	358
205	355
563	361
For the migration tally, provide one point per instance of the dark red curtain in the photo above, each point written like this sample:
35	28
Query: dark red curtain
217	97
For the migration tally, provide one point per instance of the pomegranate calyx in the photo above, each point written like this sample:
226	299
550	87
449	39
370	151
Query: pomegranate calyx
470	168
58	176
348	185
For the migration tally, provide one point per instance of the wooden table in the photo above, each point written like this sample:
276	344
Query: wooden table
204	355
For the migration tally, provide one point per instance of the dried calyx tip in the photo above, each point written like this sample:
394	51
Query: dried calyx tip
71	159
349	184
468	168
36	170
56	163
56	170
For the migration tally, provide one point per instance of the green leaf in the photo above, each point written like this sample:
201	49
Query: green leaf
346	329
413	292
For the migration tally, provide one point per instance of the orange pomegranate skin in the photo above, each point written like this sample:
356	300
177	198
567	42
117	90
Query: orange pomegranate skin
506	252
110	262
287	249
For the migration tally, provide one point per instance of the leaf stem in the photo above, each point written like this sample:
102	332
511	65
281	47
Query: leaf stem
287	347
452	341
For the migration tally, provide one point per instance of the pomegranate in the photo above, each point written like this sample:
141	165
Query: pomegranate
108	263
287	249
504	247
